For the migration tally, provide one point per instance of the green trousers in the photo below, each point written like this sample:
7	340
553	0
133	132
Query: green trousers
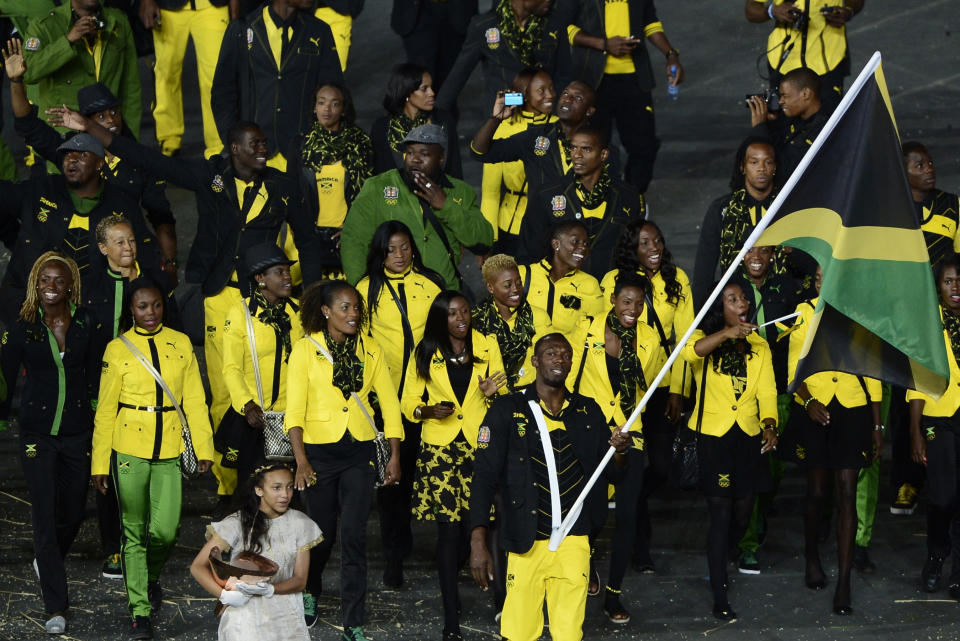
868	485
149	493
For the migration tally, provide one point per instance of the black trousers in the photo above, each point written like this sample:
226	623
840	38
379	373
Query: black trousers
108	521
393	501
57	471
620	99
343	492
905	469
433	43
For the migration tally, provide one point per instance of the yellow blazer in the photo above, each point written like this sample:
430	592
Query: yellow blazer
589	350
721	407
124	380
675	319
238	362
825	386
315	404
546	294
541	327
949	403
386	325
467	417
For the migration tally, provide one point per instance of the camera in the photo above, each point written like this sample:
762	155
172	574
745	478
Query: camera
770	96
800	19
512	99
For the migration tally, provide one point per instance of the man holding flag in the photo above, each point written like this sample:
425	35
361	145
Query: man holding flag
849	206
538	447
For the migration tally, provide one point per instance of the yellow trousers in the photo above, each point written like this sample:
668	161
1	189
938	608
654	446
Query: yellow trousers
559	577
215	310
206	27
342	28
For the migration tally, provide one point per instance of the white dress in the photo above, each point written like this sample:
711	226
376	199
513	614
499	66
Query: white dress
280	617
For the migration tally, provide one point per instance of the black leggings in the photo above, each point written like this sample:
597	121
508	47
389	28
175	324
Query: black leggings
729	518
658	437
845	487
624	532
453	546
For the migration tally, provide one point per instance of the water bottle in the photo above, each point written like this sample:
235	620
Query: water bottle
673	90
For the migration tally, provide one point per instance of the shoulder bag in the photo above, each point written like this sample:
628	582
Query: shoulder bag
276	443
684	471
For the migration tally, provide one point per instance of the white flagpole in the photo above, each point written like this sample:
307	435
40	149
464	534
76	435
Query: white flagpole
777	320
557	536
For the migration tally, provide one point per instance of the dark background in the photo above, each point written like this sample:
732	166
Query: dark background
699	133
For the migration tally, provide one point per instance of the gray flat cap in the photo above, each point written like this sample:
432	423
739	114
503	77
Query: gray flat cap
428	134
82	142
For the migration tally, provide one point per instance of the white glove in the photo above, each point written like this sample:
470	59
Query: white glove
234	598
260	589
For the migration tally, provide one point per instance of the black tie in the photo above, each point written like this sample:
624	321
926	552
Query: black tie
284	42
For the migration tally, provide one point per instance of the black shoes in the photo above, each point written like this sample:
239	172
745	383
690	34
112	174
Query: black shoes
931	573
862	561
954	591
393	573
815	580
614	610
841	598
155	596
724	612
141	628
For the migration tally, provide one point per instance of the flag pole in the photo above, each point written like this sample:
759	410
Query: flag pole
557	536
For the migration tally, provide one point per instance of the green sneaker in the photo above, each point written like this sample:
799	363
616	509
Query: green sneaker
309	610
748	563
111	567
354	634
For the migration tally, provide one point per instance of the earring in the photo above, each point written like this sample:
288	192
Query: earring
262	285
327	316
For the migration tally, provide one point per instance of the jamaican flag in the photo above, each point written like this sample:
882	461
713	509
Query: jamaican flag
851	209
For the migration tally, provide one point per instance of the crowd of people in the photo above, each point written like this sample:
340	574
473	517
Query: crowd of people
347	361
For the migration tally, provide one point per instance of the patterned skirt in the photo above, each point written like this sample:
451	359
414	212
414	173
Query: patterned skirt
441	488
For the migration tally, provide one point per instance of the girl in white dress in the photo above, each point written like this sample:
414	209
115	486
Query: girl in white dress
271	610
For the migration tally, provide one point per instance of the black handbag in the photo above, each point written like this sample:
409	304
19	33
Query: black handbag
229	437
685	466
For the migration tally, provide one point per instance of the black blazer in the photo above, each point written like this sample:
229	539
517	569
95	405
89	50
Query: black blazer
406	13
248	86
35	216
499	63
151	193
223	235
28	346
560	202
385	158
588	63
504	465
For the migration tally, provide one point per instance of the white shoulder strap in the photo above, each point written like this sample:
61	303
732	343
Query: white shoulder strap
253	353
147	365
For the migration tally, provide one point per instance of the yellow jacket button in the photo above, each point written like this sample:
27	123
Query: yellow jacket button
459	417
834	379
345	409
734	408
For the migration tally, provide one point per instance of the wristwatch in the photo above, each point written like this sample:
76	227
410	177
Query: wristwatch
880	428
672	51
416	413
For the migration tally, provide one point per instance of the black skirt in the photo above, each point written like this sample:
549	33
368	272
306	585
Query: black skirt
731	466
845	443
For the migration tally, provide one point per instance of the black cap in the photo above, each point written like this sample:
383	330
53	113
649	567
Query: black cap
261	257
82	142
94	98
428	134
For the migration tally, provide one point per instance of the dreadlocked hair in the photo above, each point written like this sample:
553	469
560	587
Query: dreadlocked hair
253	524
28	311
625	258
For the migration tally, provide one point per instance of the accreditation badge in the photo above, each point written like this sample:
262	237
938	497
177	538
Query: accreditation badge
492	36
32	44
217	184
249	38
